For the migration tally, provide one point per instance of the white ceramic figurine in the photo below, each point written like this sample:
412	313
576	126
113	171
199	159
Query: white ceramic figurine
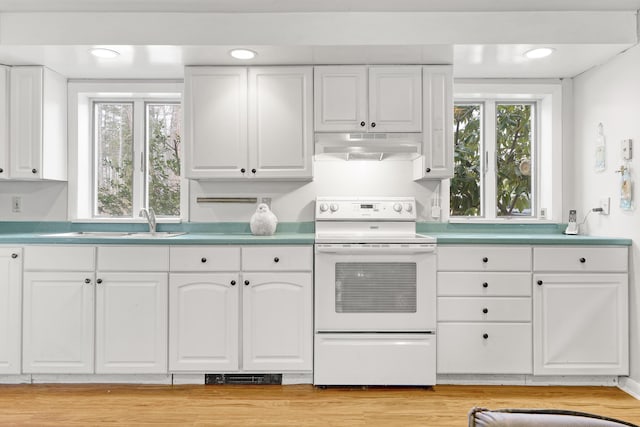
263	222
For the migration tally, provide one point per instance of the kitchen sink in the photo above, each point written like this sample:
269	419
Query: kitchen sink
117	234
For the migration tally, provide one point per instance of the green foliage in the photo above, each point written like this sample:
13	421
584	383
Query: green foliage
465	185
164	159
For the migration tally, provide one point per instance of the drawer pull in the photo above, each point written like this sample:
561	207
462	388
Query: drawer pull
485	310
539	282
99	281
14	255
203	260
233	283
485	259
276	259
246	283
485	336
87	281
485	285
583	260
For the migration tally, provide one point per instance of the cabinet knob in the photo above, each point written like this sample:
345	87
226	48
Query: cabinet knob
276	259
253	171
427	170
87	281
583	260
373	124
99	281
539	282
485	336
1	170
362	124
233	283
34	170
485	285
485	310
243	170
485	259
203	260
246	283
14	256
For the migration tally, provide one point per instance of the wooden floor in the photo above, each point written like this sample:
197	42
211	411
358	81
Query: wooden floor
298	405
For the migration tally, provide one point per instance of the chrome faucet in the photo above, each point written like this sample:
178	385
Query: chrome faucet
150	216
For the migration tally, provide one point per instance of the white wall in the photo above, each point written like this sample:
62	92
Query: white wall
294	201
610	94
41	201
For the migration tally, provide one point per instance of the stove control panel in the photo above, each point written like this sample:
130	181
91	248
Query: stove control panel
366	209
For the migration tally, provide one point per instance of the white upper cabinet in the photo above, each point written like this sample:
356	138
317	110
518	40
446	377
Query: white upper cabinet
38	124
248	123
368	99
437	143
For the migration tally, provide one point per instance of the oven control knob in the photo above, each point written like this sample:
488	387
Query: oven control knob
333	207
397	207
408	207
323	207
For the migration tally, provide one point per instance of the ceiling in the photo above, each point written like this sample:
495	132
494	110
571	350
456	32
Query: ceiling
157	38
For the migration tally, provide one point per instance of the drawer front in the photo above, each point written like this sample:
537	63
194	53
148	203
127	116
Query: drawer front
484	284
59	258
463	349
204	258
277	258
456	309
133	258
484	258
580	258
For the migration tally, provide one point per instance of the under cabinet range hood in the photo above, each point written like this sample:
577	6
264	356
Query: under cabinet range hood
368	146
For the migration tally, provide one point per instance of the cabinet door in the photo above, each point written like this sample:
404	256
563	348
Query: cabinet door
395	99
437	145
4	122
580	324
58	322
280	122
26	122
10	302
215	111
203	322
340	99
131	323
277	321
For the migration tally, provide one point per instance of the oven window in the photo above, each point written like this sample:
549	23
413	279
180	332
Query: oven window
376	287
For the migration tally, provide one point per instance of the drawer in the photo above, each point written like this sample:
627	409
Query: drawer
580	258
59	258
133	258
277	258
204	258
457	309
484	284
484	258
463	349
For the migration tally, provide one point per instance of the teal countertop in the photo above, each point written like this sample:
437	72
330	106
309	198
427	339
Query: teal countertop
299	233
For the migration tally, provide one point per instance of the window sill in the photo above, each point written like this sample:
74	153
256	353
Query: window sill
500	221
125	221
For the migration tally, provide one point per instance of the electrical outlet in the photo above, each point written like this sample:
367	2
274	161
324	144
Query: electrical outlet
543	213
16	204
605	204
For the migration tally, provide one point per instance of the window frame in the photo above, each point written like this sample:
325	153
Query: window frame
547	137
81	98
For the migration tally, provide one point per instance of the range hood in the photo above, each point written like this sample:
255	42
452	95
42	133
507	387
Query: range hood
368	146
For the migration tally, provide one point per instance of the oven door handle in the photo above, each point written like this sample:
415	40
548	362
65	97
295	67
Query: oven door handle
366	250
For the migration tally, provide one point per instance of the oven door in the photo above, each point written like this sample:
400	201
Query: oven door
375	287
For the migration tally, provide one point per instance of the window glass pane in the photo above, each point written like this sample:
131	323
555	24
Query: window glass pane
163	143
113	133
465	191
513	159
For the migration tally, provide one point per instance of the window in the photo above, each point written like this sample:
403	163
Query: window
125	151
135	170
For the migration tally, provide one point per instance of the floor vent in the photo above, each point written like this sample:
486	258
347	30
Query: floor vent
243	378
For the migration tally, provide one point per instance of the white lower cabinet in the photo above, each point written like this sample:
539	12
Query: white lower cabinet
10	301
240	319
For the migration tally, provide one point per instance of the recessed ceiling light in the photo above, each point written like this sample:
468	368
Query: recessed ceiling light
101	52
538	53
243	54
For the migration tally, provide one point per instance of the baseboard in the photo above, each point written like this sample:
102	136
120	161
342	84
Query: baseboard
98	379
188	379
291	379
15	379
531	380
629	386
